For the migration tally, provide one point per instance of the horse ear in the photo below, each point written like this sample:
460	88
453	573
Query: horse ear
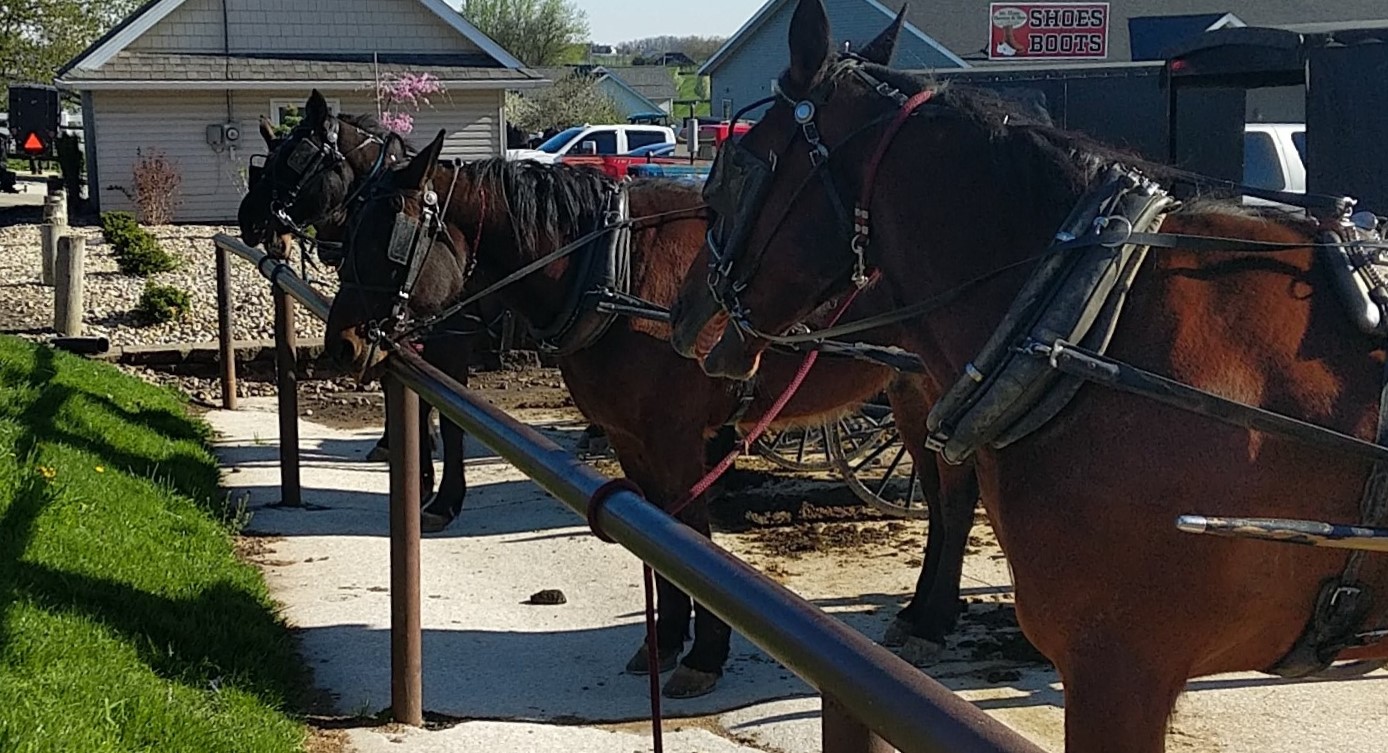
881	49
267	132
316	111
419	173
809	43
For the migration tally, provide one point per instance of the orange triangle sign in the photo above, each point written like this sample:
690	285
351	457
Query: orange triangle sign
33	143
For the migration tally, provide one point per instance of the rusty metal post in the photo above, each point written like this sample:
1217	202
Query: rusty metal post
406	660
288	389
227	346
841	733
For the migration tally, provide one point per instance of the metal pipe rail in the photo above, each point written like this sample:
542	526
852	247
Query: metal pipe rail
866	688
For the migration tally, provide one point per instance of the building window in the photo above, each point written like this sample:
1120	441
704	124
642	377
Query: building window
285	113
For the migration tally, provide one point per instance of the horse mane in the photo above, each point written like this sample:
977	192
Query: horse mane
548	204
1079	158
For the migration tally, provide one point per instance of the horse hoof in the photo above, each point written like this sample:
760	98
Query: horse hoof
379	454
897	633
920	652
430	522
640	663
690	683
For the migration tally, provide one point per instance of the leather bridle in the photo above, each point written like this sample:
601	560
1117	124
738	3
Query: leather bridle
740	180
305	161
410	243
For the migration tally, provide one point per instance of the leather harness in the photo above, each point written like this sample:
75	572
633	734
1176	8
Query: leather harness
1054	336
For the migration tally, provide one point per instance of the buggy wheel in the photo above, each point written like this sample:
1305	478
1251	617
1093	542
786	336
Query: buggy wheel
883	474
803	448
814	448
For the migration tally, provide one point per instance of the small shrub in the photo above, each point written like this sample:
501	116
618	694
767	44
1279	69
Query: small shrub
156	183
163	303
138	253
114	224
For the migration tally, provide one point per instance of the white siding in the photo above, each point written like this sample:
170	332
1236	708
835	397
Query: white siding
213	180
287	26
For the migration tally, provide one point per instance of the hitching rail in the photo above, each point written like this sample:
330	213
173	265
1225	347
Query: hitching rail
867	691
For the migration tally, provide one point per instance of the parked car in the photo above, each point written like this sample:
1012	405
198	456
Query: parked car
1274	156
591	140
653	150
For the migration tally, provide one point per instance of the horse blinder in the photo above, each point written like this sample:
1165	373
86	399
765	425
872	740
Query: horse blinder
736	187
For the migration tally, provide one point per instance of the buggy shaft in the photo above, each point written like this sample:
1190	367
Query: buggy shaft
1304	532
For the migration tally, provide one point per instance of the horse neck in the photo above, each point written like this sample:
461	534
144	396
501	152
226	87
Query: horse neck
479	210
971	212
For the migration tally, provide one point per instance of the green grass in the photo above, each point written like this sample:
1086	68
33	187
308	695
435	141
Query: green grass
126	621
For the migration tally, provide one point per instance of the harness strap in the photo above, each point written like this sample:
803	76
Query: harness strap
862	220
1344	602
545	261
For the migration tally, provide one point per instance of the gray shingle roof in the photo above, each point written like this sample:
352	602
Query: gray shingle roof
145	66
654	82
962	25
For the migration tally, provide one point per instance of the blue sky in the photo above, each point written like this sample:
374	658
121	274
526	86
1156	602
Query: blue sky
614	21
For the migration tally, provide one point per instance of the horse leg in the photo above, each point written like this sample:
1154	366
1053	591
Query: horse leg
1116	699
380	453
451	354
665	470
919	630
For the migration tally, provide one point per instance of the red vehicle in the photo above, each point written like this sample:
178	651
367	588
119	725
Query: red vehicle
719	132
618	165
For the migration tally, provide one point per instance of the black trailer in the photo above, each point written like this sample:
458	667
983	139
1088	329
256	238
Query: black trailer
1122	104
33	120
1339	71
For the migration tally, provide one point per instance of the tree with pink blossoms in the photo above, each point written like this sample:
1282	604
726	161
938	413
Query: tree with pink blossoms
397	91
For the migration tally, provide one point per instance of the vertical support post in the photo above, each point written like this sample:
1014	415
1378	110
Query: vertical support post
508	332
49	233
406	660
288	389
68	290
225	343
842	733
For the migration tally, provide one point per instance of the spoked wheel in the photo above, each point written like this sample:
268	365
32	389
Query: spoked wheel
881	472
814	448
798	449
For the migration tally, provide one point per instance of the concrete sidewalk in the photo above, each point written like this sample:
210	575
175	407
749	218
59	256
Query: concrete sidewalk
548	678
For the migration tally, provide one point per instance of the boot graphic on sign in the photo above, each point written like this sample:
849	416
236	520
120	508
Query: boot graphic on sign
1008	20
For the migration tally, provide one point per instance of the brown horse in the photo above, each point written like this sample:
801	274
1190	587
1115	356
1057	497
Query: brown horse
308	179
966	196
656	407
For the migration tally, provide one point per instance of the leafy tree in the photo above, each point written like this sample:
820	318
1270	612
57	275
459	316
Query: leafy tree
697	48
572	100
38	36
538	32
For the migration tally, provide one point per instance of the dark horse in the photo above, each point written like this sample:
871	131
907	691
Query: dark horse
308	179
965	199
657	408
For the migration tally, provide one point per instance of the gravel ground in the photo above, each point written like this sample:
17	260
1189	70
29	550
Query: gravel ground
26	306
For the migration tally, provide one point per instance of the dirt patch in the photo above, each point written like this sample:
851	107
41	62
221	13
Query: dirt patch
796	541
998	637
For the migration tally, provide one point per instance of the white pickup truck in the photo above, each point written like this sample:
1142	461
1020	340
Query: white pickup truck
595	140
1274	157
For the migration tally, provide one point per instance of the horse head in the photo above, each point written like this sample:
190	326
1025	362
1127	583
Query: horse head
311	175
403	256
778	193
